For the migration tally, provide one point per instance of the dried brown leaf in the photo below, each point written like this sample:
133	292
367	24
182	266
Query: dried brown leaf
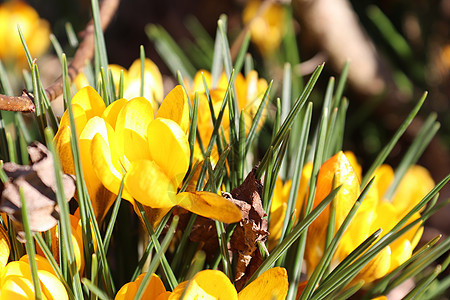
251	230
38	183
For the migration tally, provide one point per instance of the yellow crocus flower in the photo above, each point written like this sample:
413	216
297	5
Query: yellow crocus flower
153	83
213	284
266	21
36	32
249	93
374	213
154	290
16	281
154	153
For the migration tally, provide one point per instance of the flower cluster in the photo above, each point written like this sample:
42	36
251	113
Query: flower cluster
151	153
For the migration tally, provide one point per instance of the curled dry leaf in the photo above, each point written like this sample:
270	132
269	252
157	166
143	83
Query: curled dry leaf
38	183
250	230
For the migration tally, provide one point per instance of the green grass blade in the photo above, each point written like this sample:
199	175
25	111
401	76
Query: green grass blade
388	148
300	228
95	289
30	247
155	261
170	52
421	141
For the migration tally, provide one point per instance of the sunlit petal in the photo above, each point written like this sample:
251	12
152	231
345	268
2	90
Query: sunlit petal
377	267
272	284
5	247
90	101
176	107
154	288
149	185
131	130
210	205
104	167
401	250
112	111
206	284
169	148
416	183
64	134
101	198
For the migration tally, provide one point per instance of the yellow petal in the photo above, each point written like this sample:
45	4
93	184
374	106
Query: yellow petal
101	198
105	168
401	251
210	205
154	215
198	85
272	284
131	130
112	111
169	148
5	247
176	107
416	183
377	267
356	233
17	287
149	185
153	83
354	162
52	288
63	137
207	284
90	101
154	288
339	172
383	178
41	262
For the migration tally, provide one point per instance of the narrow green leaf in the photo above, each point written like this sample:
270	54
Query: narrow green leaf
300	228
30	247
158	257
388	148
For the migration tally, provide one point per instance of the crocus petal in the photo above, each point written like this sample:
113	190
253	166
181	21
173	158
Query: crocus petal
154	288
356	233
383	178
416	183
198	85
335	171
112	111
153	83
104	166
272	284
176	107
64	134
377	267
17	287
169	148
101	198
207	284
210	205
401	251
154	215
5	247
131	130
90	101
149	185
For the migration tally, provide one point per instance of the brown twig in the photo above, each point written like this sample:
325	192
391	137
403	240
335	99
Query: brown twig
85	52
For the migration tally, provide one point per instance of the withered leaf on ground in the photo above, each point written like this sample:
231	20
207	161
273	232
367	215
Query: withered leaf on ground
251	230
38	183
